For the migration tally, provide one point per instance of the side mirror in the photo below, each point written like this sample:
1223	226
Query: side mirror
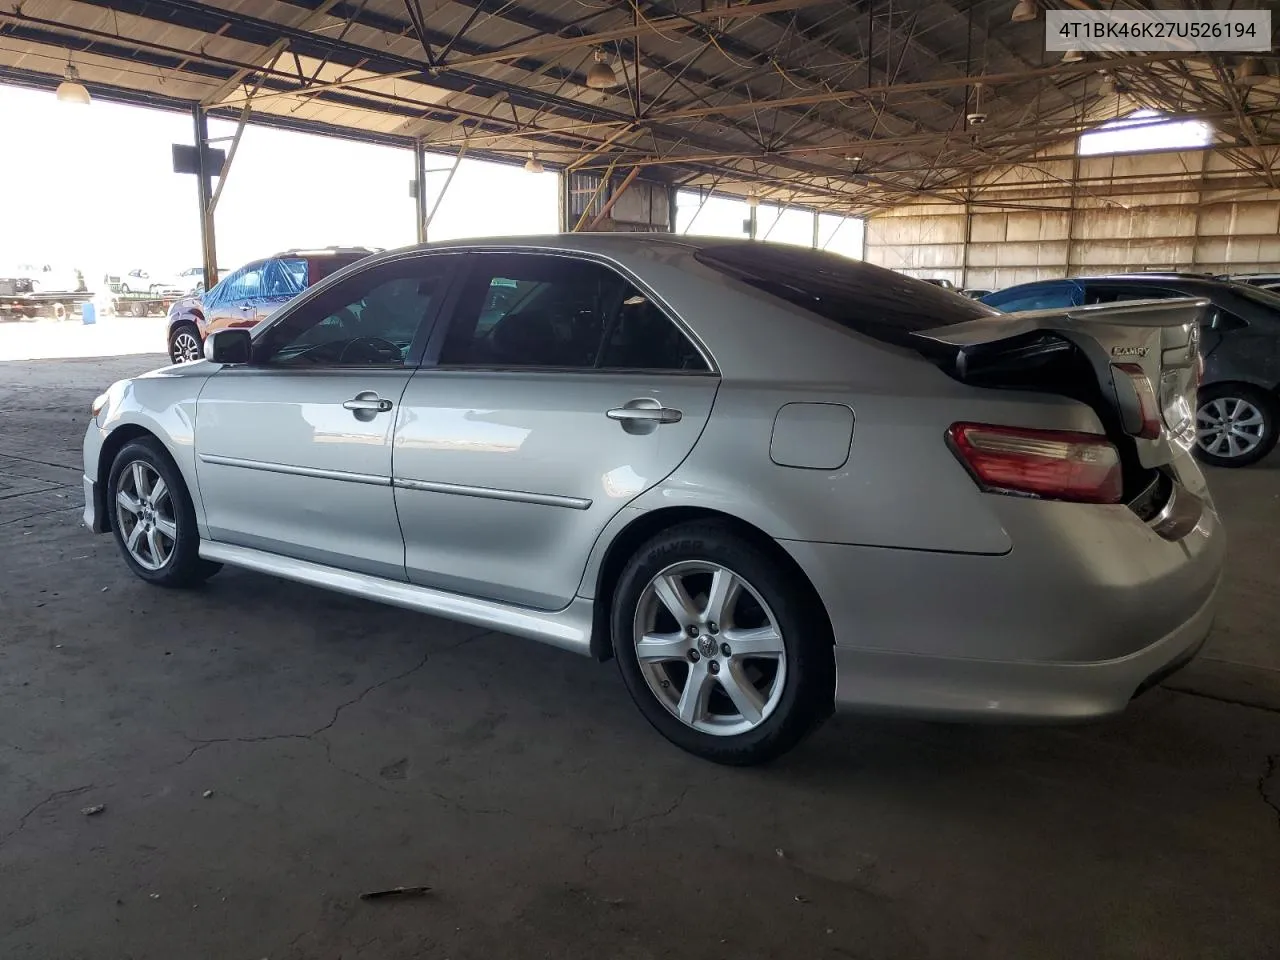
229	346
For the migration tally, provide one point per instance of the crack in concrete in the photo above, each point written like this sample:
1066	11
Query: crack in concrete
56	795
1268	772
202	744
1227	700
629	824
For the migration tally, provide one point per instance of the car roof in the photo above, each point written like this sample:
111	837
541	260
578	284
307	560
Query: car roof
1179	278
317	252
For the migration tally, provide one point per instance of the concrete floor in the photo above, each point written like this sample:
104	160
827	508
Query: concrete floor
352	747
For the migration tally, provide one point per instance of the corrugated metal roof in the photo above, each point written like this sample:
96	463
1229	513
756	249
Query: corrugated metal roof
841	105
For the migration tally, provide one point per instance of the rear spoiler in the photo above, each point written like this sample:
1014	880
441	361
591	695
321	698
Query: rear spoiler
1139	351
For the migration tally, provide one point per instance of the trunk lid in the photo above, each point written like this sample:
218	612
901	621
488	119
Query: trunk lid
1119	358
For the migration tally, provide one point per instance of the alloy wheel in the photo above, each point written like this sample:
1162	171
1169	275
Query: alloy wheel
145	514
1229	427
186	348
709	648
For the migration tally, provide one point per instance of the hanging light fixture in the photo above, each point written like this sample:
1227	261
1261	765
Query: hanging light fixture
1107	88
601	76
71	90
1024	11
533	164
1250	72
1072	56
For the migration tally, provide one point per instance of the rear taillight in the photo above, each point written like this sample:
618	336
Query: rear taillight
1050	464
1148	427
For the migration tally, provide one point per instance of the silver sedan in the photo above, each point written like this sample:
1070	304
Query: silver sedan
766	481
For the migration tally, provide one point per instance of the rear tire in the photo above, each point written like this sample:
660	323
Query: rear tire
761	659
1236	425
155	526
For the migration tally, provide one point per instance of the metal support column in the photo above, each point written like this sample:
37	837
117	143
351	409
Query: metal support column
204	177
816	236
752	223
420	190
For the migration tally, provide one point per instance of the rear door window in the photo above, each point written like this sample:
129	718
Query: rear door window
858	296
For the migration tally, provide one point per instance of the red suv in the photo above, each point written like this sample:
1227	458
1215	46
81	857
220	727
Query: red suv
251	294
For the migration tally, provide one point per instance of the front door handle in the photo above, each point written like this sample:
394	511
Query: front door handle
367	402
644	410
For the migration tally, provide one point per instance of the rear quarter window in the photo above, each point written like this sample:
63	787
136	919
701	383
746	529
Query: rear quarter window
858	296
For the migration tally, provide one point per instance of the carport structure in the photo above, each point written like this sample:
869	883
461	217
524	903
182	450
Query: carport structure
833	105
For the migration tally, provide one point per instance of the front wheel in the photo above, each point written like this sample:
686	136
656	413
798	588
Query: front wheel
719	646
153	520
184	343
1235	425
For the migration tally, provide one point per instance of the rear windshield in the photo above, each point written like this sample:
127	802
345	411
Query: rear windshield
870	300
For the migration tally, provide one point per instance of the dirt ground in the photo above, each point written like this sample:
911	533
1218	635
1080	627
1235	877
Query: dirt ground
267	752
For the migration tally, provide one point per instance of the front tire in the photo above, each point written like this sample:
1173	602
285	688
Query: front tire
1235	425
184	343
153	519
720	647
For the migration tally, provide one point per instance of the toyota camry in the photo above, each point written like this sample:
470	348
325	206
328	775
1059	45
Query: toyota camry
766	481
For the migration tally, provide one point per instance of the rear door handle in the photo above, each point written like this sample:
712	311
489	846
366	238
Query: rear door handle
644	411
367	403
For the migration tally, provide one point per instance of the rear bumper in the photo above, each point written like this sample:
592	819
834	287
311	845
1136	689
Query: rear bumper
1012	690
1071	623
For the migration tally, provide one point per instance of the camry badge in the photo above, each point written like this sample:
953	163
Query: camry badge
1128	351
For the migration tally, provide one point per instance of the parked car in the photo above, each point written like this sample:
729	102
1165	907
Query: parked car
139	280
765	479
1238	415
940	282
976	293
249	295
1267	280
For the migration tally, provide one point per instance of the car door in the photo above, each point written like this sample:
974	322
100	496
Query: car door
562	390
293	451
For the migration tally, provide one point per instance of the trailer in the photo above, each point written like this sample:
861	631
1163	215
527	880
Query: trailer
126	301
141	304
24	305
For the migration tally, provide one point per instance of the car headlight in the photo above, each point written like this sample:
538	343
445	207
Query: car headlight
99	403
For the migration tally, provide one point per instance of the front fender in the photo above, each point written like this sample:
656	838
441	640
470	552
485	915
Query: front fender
161	403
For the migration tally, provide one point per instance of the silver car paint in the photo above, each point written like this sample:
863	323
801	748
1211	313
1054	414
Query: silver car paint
922	575
495	437
336	505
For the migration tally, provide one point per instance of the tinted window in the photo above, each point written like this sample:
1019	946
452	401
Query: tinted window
369	319
1046	296
856	295
531	310
1118	293
642	337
